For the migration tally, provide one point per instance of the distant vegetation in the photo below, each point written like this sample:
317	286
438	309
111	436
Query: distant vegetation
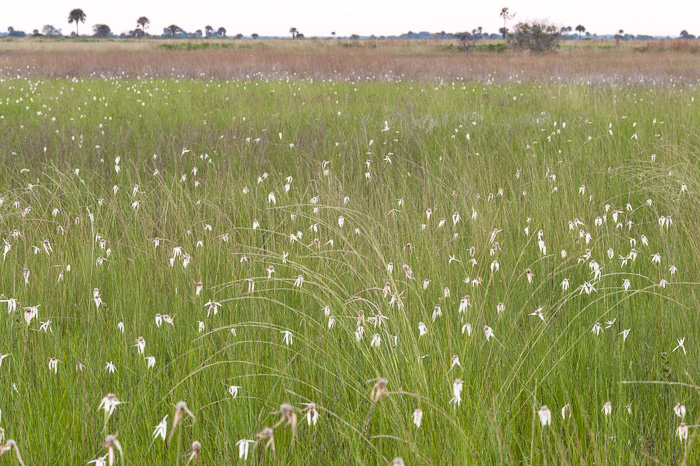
201	45
536	36
173	31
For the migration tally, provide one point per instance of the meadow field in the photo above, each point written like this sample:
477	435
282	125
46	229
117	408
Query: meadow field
360	256
587	62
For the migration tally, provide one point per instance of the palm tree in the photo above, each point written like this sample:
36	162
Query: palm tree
76	16
209	30
333	34
580	29
173	28
507	16
254	35
619	36
293	31
143	22
221	31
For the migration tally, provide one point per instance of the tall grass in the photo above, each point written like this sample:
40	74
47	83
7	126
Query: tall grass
597	62
449	147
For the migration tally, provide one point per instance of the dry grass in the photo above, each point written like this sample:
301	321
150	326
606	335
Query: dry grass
594	61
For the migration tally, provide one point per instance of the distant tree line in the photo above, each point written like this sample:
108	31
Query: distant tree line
77	17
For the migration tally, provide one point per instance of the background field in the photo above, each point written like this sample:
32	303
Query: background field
598	62
562	135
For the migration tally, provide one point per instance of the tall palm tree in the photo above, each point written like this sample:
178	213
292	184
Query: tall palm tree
507	16
76	16
293	31
580	28
143	22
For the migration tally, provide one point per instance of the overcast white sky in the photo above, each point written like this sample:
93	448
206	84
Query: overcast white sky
364	17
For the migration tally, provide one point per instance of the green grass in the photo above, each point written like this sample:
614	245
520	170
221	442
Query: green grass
489	47
497	47
451	146
199	45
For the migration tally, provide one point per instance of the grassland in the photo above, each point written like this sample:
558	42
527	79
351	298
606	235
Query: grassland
142	186
596	62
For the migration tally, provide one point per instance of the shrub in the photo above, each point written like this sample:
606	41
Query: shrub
535	36
497	47
467	42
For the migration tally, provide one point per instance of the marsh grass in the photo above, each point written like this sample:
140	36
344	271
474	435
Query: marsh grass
596	61
231	131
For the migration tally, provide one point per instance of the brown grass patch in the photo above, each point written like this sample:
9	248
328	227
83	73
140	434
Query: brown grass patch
577	61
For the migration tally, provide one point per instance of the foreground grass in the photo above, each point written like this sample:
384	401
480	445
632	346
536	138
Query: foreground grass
197	163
